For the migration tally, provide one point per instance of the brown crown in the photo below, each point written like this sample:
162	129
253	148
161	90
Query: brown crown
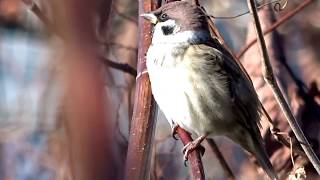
187	16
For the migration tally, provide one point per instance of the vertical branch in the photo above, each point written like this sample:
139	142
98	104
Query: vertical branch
143	119
270	79
277	120
85	108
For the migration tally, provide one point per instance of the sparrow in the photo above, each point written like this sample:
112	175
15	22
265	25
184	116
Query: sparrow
197	83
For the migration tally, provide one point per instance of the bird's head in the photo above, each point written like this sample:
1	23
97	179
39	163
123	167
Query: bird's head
177	22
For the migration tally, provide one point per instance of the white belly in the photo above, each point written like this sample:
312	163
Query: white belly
173	90
168	90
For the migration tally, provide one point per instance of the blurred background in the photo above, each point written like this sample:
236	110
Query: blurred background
36	133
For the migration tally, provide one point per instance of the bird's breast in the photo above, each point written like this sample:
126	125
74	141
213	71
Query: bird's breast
182	94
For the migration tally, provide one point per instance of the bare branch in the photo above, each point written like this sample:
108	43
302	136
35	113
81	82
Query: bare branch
49	26
224	164
194	157
282	20
119	66
144	112
270	79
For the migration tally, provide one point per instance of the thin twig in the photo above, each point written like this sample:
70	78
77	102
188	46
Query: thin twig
222	161
49	26
119	66
270	79
280	138
277	7
281	20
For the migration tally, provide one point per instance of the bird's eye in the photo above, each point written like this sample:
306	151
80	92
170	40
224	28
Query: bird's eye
163	17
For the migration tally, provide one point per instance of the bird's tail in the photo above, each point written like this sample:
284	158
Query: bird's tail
263	158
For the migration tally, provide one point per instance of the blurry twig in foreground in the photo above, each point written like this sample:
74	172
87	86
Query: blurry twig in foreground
49	26
270	79
86	106
120	66
281	20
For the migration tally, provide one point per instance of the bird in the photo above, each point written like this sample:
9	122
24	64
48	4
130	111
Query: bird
198	84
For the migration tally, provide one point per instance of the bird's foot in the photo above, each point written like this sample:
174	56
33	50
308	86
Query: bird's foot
174	128
188	148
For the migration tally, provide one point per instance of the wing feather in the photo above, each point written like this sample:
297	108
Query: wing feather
239	86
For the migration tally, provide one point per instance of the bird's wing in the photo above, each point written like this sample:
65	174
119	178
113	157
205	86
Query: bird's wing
243	96
235	81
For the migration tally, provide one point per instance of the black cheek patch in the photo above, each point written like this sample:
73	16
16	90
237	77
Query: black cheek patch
167	30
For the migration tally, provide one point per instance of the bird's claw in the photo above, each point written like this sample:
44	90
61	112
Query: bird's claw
202	150
187	149
174	131
191	146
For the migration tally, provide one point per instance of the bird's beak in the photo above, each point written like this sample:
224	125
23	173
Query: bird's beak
150	17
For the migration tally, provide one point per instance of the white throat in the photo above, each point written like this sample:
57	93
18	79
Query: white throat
177	37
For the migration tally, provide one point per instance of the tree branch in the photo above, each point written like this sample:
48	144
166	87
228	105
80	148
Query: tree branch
119	66
86	108
144	113
49	26
224	164
282	20
194	157
270	79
